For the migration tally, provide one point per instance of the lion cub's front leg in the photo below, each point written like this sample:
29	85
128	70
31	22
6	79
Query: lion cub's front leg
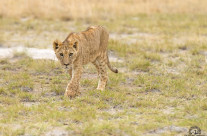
72	89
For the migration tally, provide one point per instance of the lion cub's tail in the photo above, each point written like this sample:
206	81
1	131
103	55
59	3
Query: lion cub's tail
115	70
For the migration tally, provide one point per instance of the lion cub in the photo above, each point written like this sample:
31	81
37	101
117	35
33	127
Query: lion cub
81	48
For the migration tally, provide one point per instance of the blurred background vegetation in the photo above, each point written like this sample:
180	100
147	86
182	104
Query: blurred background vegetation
96	9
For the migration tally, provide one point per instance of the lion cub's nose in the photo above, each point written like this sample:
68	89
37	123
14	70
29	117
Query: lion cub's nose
66	64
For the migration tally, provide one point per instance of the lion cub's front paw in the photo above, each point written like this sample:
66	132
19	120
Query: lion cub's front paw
71	94
100	89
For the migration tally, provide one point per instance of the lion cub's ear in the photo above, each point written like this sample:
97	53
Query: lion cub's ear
75	45
56	44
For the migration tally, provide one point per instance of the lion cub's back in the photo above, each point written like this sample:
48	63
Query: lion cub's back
94	37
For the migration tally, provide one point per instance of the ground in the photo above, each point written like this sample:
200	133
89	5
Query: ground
160	89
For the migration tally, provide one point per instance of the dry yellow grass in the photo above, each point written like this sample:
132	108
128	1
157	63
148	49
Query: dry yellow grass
73	9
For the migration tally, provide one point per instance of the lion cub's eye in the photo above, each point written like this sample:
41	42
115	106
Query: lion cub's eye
61	54
71	54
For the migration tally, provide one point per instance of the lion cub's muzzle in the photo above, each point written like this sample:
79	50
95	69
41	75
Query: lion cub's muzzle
67	66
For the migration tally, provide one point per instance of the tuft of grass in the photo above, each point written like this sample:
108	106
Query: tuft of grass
59	90
41	66
26	97
139	64
152	56
2	91
123	49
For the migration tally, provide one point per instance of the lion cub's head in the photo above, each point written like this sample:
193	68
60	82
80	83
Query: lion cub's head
66	51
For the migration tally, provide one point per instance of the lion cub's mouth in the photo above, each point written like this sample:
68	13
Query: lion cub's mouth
68	67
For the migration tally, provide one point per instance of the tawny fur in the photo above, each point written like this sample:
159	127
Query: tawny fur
82	48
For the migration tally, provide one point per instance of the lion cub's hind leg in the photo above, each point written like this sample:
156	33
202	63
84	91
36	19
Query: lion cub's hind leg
101	65
96	64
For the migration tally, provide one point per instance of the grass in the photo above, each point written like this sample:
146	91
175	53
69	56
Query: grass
161	81
133	103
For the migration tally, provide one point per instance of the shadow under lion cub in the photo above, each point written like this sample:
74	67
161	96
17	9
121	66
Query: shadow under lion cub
82	48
